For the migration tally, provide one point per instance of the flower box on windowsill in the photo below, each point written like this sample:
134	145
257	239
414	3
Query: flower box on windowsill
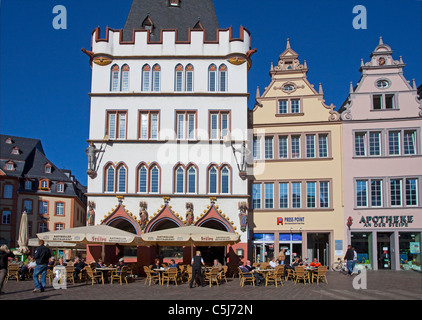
44	189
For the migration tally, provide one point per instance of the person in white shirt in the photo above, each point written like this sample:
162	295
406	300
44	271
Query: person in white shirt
273	263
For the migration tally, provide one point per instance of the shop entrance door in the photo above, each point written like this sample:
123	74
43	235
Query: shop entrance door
384	246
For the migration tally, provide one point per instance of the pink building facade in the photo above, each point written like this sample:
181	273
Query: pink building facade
382	164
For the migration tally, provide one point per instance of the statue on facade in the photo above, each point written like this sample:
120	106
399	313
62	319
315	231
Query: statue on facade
91	213
143	215
91	152
189	214
243	215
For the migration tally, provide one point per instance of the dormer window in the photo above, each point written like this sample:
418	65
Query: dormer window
174	3
147	24
16	151
60	187
10	166
47	168
44	185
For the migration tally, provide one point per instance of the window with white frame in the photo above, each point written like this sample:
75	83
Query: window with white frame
156	78
295	147
383	101
323	145
219	125
212	78
225	180
178	83
114	83
396	192
376	193
409	142
296	195
310	146
121	179
289	106
311	194
59	209
283	147
411	192
284	194
269	195
125	78
191	179
222	77
268	148
28	185
213	179
149	124
180	179
143	178
374	143
109	187
154	179
146	78
6	217
42	227
360	144
116	124
394	143
256	196
189	78
186	125
43	208
361	192
58	226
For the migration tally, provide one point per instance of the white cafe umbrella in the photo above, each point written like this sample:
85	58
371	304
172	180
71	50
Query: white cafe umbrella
98	234
189	235
23	234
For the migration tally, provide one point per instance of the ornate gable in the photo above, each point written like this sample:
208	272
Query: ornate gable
213	213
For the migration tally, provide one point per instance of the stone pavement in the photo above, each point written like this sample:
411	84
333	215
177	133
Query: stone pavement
380	285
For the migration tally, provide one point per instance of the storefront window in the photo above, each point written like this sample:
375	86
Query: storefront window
263	247
362	242
171	252
410	254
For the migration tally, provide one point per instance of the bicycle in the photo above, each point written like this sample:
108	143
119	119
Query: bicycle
339	265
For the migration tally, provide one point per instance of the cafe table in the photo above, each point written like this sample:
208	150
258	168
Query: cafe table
160	273
106	271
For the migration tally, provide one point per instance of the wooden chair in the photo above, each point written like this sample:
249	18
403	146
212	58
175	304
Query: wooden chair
244	277
170	275
13	272
222	274
212	275
189	272
301	274
119	275
68	275
94	275
275	276
50	275
320	274
151	276
290	274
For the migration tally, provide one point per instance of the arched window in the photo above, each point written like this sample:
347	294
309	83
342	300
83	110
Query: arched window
121	178
114	86
180	179
212	78
110	179
154	179
143	179
222	77
125	78
189	78
213	172
156	78
191	179
178	83
146	78
225	180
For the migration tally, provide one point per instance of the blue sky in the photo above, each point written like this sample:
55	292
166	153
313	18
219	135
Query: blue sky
45	78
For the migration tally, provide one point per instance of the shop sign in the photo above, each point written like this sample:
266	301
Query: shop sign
290	220
386	221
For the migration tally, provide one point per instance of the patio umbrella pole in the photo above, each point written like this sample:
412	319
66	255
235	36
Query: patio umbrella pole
103	251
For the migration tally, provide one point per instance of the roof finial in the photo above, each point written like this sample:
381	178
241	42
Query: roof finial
257	92
414	84
351	87
320	88
288	43
380	41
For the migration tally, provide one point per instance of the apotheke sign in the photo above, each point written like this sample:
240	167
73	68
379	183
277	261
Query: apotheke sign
386	221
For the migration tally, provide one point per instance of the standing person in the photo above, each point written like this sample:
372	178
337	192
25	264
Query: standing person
42	256
5	254
281	256
197	263
349	258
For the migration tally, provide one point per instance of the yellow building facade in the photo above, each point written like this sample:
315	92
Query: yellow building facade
297	198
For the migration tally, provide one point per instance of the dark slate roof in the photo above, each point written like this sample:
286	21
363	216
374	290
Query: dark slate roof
164	16
30	164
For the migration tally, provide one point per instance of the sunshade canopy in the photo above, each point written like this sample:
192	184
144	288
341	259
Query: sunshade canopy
185	236
98	234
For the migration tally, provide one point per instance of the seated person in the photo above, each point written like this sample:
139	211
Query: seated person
259	278
79	264
120	266
51	263
173	264
217	264
156	264
100	264
273	263
315	263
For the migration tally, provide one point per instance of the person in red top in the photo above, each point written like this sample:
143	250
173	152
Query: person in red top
315	263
